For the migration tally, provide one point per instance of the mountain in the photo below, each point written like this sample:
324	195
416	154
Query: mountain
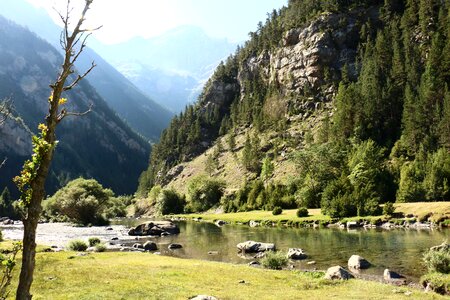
341	105
99	145
182	59
135	107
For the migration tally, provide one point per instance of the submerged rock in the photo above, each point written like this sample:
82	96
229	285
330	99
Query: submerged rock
337	272
150	246
253	247
175	246
357	262
296	253
157	228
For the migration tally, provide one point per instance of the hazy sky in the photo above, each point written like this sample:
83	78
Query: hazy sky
122	20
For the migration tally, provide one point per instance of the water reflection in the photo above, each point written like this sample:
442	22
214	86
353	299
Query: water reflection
398	249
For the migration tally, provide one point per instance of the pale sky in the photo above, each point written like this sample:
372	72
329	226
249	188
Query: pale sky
122	20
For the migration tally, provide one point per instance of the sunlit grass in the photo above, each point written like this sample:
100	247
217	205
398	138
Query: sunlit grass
148	276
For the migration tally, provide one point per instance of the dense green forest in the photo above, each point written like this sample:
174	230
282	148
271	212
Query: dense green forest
387	138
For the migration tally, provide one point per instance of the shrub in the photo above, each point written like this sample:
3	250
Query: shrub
437	260
203	193
388	209
302	212
82	200
93	241
277	211
274	260
169	202
438	282
77	245
100	247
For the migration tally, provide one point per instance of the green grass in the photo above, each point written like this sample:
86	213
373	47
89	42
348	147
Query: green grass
417	209
260	215
147	276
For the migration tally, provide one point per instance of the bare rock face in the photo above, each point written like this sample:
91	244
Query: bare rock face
254	247
337	272
357	262
155	228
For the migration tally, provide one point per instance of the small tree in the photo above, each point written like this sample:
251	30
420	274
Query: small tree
31	182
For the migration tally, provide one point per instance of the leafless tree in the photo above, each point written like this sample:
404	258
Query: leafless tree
5	112
73	42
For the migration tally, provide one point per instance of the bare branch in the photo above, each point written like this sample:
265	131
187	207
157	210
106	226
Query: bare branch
64	113
3	162
79	77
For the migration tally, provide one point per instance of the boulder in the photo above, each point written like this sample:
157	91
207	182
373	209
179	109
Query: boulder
138	246
157	228
175	246
337	272
296	253
389	275
357	262
352	224
220	222
253	247
253	224
150	246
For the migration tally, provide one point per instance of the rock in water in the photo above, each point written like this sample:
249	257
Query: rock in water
150	246
296	253
253	247
175	246
337	272
357	262
157	228
393	277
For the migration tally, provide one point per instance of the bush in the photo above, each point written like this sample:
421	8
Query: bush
117	207
437	260
203	193
277	211
100	247
302	212
81	200
93	241
169	202
388	209
77	245
438	282
274	260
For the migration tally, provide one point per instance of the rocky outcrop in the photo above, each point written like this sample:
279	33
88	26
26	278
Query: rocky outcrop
155	228
296	253
337	272
254	247
357	262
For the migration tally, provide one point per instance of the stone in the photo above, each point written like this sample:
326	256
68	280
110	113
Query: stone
389	275
254	263
337	272
254	247
213	252
220	222
115	238
357	262
175	246
150	246
203	297
296	253
156	228
352	224
109	228
312	262
253	224
138	246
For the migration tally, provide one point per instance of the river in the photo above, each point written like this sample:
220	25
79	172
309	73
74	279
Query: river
397	249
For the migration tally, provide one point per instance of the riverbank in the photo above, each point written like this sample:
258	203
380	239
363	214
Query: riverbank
423	213
67	275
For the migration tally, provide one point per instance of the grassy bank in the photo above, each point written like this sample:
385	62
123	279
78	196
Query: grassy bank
437	210
146	276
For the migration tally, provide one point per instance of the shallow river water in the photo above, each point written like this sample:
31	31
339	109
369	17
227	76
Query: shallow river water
397	249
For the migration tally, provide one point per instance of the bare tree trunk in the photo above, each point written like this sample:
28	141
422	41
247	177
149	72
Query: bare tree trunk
55	115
